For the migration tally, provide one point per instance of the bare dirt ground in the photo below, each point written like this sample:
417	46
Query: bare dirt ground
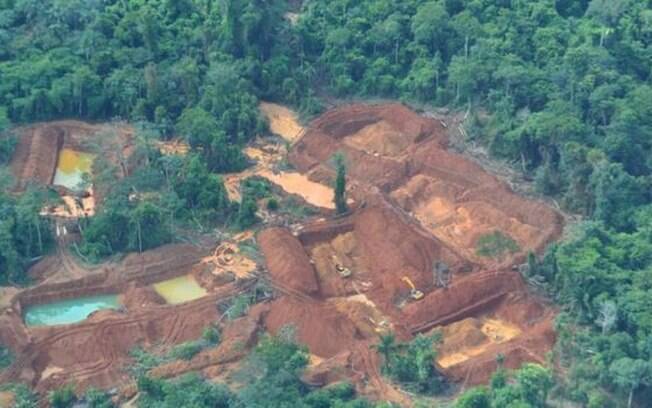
416	205
420	204
282	121
6	399
175	146
268	158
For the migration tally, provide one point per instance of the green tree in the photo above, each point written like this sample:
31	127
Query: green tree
534	383
340	185
63	397
386	347
478	397
629	374
247	212
98	399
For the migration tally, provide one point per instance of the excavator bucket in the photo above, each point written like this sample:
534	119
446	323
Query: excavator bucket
416	294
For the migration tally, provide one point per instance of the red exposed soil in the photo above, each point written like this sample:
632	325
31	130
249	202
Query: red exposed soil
452	197
102	342
238	337
420	203
324	330
416	204
287	262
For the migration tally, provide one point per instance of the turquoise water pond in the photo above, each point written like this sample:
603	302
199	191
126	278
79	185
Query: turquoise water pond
68	311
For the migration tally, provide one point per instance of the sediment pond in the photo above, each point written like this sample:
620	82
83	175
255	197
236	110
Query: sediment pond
71	167
180	290
68	311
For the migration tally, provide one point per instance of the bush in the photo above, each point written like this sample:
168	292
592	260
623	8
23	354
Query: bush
272	204
256	187
189	390
23	395
144	361
211	335
239	307
63	397
98	399
411	364
246	216
6	357
495	245
186	351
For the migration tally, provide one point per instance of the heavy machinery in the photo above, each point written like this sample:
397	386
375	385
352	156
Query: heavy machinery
414	292
341	270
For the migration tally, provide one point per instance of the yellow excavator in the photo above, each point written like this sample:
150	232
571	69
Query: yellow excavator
415	293
341	270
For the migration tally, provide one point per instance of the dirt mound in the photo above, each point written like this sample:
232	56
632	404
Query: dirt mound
328	371
139	297
324	330
343	250
462	334
472	337
364	314
287	261
348	120
13	333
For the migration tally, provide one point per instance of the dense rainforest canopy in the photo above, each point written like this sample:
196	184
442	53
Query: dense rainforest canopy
560	89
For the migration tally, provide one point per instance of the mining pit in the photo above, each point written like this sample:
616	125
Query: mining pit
418	213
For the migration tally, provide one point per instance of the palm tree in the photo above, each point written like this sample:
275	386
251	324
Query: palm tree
387	347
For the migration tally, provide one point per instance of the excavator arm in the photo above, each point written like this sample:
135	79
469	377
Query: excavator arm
414	292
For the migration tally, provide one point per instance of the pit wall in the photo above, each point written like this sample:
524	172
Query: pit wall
36	155
320	232
464	298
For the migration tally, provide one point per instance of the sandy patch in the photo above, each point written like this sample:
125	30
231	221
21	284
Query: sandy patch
72	207
282	121
293	18
227	258
173	147
6	294
364	314
315	194
379	138
471	337
50	371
